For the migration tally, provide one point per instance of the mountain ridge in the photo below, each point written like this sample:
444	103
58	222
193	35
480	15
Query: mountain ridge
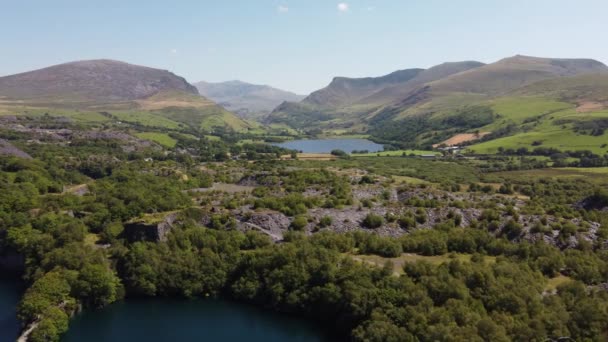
250	101
93	80
109	86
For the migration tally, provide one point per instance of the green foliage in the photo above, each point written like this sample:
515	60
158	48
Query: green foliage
325	221
485	281
372	221
299	222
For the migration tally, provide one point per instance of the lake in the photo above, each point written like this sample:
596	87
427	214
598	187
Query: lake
166	320
327	145
10	291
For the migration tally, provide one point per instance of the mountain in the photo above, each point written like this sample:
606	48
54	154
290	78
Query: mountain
514	72
250	101
434	73
343	91
350	99
516	102
137	93
92	81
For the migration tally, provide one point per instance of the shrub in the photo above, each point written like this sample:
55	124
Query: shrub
339	153
299	223
325	221
407	222
373	221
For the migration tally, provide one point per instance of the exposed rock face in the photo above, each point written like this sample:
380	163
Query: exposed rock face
7	149
597	201
271	223
145	231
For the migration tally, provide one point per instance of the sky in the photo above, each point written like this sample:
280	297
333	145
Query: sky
296	45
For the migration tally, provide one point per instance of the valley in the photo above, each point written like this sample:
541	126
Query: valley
465	210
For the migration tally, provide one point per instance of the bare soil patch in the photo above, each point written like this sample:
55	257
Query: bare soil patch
590	106
464	137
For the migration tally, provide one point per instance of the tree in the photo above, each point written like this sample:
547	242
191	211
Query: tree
97	285
339	153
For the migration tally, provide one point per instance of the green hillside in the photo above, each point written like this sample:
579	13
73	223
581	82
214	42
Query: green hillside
110	91
517	102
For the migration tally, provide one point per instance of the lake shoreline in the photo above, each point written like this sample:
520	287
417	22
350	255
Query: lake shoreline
324	146
214	319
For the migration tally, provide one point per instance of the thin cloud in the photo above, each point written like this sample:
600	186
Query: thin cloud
173	51
371	8
343	7
282	9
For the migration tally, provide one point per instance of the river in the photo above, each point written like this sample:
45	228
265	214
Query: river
327	145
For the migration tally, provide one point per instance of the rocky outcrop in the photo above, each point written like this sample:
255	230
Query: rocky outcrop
150	230
7	149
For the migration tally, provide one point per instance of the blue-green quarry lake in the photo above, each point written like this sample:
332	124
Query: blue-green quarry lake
166	320
327	145
169	320
10	291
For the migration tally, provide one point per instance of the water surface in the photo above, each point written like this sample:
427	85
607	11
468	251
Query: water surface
10	292
165	320
327	145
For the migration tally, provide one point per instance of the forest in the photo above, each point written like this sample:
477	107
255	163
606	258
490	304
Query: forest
481	268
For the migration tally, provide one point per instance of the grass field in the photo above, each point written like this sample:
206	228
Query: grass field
76	115
543	121
517	109
428	170
397	153
564	140
598	175
161	138
148	119
312	156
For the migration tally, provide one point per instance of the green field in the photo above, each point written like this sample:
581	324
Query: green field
544	123
518	109
397	153
76	115
562	139
597	175
146	119
433	171
161	138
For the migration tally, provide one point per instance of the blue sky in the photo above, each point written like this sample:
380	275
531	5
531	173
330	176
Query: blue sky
297	45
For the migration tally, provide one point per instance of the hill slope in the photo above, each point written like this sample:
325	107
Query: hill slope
516	102
344	91
92	81
511	97
249	101
514	72
350	99
128	92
